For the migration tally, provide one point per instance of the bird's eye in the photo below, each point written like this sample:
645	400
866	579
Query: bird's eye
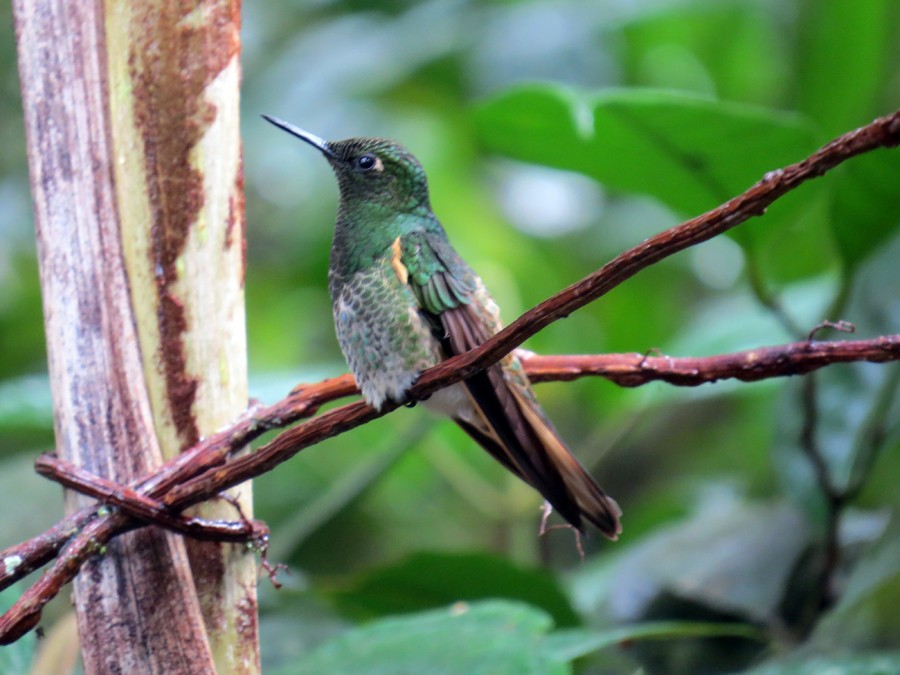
366	162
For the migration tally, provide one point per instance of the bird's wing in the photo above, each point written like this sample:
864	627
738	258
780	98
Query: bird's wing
507	421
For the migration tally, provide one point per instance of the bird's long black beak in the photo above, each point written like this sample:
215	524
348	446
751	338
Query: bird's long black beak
320	143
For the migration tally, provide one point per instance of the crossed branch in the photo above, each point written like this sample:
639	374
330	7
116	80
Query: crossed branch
216	463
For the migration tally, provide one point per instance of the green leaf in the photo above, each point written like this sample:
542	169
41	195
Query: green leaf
426	580
866	616
691	153
732	558
866	211
846	54
680	46
487	637
884	663
574	643
490	638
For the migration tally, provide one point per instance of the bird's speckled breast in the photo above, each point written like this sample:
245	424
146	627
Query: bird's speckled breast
385	339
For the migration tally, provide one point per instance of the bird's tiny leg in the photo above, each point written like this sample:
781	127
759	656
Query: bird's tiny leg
547	509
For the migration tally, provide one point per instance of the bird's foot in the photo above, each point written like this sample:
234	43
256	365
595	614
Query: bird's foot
547	509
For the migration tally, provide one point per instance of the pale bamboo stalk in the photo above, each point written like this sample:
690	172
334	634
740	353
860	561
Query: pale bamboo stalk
179	184
131	118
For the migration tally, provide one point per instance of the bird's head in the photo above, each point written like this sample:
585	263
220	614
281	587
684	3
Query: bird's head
370	170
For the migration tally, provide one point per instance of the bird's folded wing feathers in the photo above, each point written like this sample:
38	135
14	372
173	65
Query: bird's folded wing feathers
510	425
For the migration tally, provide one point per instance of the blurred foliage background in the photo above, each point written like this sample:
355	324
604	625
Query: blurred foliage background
556	134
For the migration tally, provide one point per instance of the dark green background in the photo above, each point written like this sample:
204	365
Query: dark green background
556	134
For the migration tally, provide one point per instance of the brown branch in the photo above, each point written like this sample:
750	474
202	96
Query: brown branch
149	510
627	370
881	133
80	547
20	560
202	472
634	370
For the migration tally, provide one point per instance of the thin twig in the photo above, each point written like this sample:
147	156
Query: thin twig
841	326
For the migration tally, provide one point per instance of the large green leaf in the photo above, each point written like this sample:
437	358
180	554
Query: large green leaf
426	580
578	642
884	663
492	638
731	48
846	53
691	153
866	615
866	211
732	557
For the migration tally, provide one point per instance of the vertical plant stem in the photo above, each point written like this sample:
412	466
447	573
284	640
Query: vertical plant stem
131	113
180	179
102	414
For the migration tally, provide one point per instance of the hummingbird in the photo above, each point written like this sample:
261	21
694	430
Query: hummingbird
404	300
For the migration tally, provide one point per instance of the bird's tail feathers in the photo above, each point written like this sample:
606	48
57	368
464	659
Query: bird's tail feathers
595	505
